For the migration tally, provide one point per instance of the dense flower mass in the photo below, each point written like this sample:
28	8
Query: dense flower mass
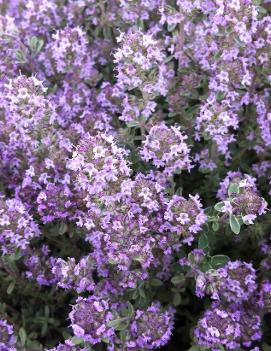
7	338
231	327
70	275
184	217
17	227
90	319
236	281
166	148
151	328
140	64
100	166
68	346
241	197
135	175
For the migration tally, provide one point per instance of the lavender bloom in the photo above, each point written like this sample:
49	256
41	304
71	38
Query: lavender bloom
39	17
232	327
9	44
166	148
151	328
94	94
24	104
68	346
244	199
123	240
215	122
140	64
100	167
185	218
236	178
25	116
17	227
89	319
131	11
265	296
70	275
236	281
7	338
39	266
68	53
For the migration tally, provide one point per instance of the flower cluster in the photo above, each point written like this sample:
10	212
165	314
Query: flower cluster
17	227
236	281
39	266
70	275
242	198
90	317
100	166
152	328
166	148
7	338
184	217
140	64
231	328
68	346
93	319
68	53
134	141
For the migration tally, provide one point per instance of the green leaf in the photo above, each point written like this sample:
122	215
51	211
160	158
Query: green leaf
22	335
132	124
77	341
39	46
218	54
262	10
233	189
129	310
169	58
119	324
178	171
240	43
123	335
35	44
178	279
63	228
113	262
20	56
220	96
203	241
156	282
142	293
215	226
171	27
176	299
234	224
219	206
11	287
219	260
206	266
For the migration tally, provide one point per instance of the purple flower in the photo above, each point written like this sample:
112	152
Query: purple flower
236	281
185	218
68	346
7	338
17	227
151	328
39	266
166	148
72	275
100	167
89	319
230	326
